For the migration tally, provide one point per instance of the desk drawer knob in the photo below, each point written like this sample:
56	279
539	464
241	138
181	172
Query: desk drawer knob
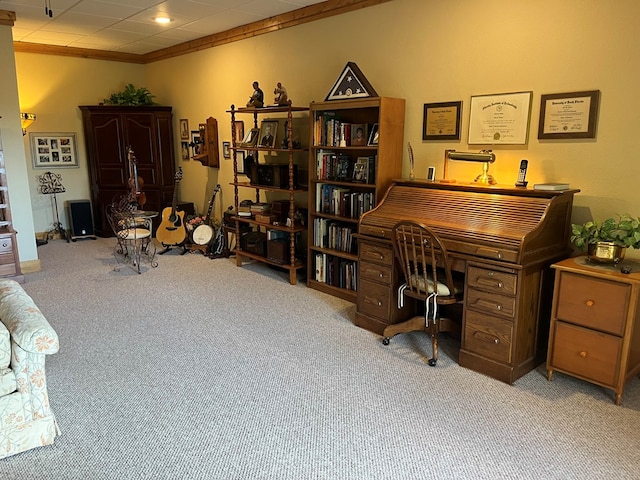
496	341
589	303
583	354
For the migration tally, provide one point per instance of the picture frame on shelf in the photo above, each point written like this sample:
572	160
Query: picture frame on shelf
226	149
238	129
361	170
373	136
184	129
268	133
358	134
441	121
568	115
240	156
251	138
54	150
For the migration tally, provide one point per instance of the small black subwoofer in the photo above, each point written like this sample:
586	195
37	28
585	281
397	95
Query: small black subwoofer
81	219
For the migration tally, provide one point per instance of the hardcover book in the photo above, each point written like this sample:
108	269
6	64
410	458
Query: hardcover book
551	186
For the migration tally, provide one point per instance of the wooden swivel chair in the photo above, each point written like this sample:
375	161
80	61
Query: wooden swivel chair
426	269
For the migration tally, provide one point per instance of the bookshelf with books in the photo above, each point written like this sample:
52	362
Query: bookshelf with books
274	231
355	152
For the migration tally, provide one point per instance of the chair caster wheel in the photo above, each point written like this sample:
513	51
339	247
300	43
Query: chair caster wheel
432	362
385	341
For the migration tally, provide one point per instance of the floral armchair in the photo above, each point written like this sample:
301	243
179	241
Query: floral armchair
26	421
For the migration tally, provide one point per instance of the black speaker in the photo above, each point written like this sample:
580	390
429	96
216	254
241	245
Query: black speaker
81	219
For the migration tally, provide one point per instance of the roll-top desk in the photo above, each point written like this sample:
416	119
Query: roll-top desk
503	240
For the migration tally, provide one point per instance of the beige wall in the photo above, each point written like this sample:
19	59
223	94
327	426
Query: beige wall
422	50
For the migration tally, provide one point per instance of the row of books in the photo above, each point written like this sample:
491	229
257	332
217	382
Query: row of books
331	234
342	167
336	271
331	132
341	201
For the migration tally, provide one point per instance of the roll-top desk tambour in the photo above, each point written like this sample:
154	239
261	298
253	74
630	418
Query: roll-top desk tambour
503	239
595	323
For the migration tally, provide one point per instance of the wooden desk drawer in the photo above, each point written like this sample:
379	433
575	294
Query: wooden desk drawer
490	303
586	353
376	273
487	336
376	253
374	299
593	302
6	245
491	280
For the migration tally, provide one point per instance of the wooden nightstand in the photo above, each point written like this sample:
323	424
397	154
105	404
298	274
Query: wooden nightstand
595	323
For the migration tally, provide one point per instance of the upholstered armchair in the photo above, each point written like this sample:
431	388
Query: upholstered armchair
26	421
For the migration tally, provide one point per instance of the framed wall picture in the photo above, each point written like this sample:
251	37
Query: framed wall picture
184	150
195	142
441	121
184	129
500	119
268	130
226	149
569	115
54	150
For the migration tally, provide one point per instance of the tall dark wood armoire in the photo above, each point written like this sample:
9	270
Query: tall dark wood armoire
108	131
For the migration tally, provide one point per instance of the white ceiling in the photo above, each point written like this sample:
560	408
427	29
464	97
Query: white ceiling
128	25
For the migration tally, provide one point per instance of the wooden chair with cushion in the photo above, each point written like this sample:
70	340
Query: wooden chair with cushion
425	266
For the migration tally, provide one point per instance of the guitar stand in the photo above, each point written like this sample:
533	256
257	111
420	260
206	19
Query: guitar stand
169	247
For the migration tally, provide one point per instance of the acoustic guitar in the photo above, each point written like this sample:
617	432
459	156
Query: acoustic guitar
171	230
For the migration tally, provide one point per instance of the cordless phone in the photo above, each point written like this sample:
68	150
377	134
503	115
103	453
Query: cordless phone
522	173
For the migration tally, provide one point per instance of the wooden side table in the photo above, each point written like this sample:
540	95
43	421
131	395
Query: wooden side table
595	323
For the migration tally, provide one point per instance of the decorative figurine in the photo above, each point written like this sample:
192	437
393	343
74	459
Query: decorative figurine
281	95
257	97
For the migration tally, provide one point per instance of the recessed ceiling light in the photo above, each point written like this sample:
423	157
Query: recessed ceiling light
163	20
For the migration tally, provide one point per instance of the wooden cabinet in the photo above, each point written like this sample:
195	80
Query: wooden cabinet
349	171
276	241
595	332
9	259
108	131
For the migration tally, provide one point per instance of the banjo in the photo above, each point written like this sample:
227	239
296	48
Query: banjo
203	233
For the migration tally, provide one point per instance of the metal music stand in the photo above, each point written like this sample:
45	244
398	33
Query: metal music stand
51	184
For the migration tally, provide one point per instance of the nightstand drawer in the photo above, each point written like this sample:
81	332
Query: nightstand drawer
376	253
593	302
586	353
488	337
374	299
491	280
490	303
376	273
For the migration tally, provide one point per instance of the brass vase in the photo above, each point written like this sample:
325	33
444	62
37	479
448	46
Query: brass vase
605	252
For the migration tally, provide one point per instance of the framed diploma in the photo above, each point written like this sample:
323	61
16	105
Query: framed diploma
569	115
501	119
441	121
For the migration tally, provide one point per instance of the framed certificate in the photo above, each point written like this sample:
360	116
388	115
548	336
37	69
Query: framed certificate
441	121
501	119
569	115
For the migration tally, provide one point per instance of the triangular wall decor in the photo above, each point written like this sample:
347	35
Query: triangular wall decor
351	84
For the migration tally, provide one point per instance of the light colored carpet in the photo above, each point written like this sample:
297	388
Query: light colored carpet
199	369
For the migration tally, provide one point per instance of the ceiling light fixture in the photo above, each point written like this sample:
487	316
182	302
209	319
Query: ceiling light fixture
26	119
163	20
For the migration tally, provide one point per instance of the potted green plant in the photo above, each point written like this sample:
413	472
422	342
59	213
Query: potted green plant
606	241
131	96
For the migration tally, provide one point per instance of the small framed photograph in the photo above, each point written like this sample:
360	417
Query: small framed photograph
568	115
195	142
268	130
226	149
238	130
240	156
373	136
358	134
184	150
441	121
361	170
251	138
184	129
54	150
